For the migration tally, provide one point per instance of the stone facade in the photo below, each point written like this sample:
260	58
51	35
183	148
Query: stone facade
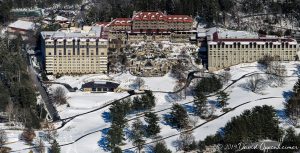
74	54
226	52
151	26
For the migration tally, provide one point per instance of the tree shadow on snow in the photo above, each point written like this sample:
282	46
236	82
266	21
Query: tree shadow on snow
297	71
287	95
148	149
171	97
106	117
165	118
103	142
189	108
128	151
281	114
215	103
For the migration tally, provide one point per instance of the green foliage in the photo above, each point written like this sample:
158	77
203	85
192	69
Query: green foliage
296	87
15	82
55	148
5	7
253	125
293	104
116	150
137	134
161	148
118	112
223	97
115	136
253	6
199	102
145	102
179	117
4	96
291	140
152	128
208	85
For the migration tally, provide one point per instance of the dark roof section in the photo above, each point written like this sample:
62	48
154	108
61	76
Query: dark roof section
100	84
259	39
148	64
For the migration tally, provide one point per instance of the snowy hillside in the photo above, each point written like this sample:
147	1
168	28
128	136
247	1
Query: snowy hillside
86	133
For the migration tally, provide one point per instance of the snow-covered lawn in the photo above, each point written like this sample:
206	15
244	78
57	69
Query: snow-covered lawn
99	120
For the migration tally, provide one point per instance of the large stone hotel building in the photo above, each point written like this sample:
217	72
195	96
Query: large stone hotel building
74	51
227	48
151	26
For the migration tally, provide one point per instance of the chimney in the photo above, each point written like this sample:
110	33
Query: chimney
134	12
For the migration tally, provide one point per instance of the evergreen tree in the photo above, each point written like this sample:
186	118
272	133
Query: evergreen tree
115	136
137	104
291	139
116	150
296	87
148	100
179	117
161	148
208	85
199	102
118	112
55	148
152	128
137	134
223	98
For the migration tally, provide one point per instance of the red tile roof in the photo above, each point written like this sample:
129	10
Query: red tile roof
102	23
179	18
149	16
259	39
121	22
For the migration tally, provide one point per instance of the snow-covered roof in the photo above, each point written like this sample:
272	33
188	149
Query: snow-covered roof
92	32
20	24
236	34
60	18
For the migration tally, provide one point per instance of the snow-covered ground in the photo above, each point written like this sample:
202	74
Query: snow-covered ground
97	122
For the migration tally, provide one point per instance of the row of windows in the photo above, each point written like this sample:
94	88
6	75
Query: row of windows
253	46
73	42
69	53
251	53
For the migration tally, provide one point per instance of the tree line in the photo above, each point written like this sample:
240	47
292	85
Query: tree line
293	104
18	97
252	126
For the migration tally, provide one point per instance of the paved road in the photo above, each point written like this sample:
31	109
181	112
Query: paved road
47	101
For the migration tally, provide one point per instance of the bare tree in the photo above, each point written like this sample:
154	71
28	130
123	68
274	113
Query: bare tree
40	146
3	138
266	60
255	83
225	77
276	73
177	71
59	96
139	82
193	120
185	140
51	133
177	88
28	135
10	111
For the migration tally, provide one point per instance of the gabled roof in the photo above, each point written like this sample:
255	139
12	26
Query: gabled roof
24	25
100	84
149	16
121	22
179	18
